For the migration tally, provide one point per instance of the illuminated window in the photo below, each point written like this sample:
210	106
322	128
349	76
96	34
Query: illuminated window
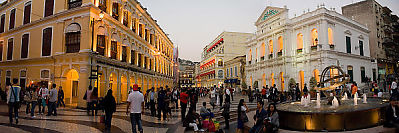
314	36
301	79
299	41
270	46
272	79
264	79
280	44
263	50
330	36
282	81
316	74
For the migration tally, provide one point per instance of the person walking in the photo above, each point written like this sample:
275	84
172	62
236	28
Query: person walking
35	98
60	97
161	103
43	93
52	107
13	100
28	99
109	105
183	103
221	93
175	97
242	110
94	101
87	97
135	104
213	98
152	102
227	93
226	114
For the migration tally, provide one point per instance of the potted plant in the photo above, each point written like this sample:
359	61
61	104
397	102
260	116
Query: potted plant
313	48
280	53
332	46
244	87
292	82
299	50
312	85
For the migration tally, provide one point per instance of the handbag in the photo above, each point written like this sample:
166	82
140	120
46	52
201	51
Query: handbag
102	119
244	117
44	102
85	97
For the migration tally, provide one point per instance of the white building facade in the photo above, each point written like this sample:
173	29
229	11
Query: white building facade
302	47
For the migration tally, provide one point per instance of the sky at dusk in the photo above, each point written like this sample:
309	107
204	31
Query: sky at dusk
193	24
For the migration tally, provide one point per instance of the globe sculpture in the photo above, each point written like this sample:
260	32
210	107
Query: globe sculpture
321	115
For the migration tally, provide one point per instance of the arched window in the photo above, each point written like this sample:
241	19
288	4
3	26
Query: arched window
280	44
350	72
101	40
330	37
362	74
316	74
282	81
299	41
72	38
315	39
301	79
270	46
262	50
264	79
220	62
272	79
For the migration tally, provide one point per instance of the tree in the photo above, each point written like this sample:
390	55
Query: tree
292	82
312	82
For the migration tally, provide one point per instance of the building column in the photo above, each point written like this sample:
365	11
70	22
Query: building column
118	93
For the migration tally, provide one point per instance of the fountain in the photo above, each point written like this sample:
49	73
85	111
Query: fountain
355	99
331	113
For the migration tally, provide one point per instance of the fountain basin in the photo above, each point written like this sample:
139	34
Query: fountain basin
347	116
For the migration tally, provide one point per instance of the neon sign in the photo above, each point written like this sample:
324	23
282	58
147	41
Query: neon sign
269	14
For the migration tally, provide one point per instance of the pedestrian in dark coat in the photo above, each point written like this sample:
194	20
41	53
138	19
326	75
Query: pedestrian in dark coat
109	105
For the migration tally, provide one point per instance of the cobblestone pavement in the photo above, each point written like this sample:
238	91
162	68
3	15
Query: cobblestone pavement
77	121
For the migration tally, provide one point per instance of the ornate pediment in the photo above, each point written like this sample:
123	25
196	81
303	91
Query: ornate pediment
348	32
361	37
269	12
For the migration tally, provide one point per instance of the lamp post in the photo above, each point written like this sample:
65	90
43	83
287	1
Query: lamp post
93	21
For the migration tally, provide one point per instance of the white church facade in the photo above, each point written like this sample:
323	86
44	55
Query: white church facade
301	47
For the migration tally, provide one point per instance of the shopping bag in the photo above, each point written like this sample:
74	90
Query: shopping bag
205	124
44	102
217	125
211	126
102	119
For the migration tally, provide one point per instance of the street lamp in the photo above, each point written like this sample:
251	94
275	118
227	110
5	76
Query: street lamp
93	21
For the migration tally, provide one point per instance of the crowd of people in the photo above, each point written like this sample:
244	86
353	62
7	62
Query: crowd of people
162	101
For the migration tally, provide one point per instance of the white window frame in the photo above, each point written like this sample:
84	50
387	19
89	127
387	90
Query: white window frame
27	57
52	36
23	14
41	77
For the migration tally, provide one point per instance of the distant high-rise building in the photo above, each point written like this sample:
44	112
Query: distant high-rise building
384	29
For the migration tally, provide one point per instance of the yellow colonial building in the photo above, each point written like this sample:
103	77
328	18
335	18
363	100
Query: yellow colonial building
109	44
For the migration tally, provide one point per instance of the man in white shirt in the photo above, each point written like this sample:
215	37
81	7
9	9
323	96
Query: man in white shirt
136	105
43	94
394	85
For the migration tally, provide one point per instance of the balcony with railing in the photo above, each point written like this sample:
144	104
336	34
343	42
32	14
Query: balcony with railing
74	3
